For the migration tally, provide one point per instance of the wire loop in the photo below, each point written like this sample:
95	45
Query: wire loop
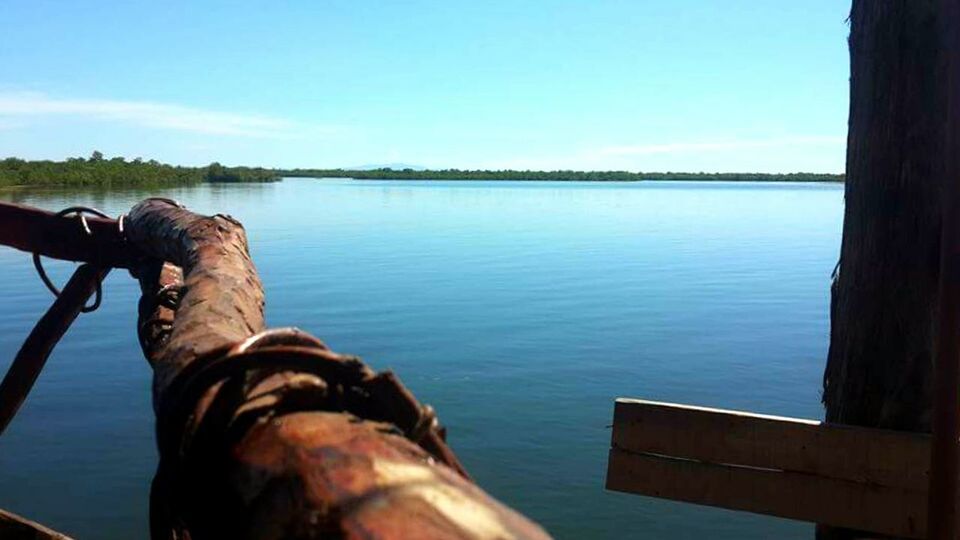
80	212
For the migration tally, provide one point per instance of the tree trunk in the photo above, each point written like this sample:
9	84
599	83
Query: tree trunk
885	294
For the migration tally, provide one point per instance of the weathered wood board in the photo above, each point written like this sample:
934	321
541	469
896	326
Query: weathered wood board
847	476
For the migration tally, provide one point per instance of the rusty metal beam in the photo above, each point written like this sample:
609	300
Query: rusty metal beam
38	231
46	333
160	286
223	300
276	436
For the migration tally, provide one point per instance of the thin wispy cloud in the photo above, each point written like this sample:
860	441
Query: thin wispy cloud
146	114
6	124
647	149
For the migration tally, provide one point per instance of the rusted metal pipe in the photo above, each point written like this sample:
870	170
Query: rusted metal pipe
223	298
160	287
38	231
43	338
274	435
942	509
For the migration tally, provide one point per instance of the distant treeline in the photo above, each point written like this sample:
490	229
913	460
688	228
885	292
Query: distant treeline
99	171
573	176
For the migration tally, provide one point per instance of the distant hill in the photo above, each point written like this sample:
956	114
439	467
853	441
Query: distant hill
394	166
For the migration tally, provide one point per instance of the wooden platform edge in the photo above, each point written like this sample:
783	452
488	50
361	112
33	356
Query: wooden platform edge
874	456
797	496
846	476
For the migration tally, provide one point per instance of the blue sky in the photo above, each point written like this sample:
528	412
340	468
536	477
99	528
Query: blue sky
684	85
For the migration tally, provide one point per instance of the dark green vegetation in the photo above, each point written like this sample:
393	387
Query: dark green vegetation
98	171
572	176
218	173
101	172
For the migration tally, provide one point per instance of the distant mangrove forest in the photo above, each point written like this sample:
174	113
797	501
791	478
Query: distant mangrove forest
571	176
97	171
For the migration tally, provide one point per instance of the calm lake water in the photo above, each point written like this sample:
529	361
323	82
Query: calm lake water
519	310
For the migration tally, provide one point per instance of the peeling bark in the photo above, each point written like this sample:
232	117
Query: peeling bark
276	436
222	298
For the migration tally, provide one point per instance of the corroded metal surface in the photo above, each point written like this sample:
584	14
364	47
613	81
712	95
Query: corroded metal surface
273	435
359	480
223	300
262	434
300	442
38	231
160	286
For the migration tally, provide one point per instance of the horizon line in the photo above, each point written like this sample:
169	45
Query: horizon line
421	169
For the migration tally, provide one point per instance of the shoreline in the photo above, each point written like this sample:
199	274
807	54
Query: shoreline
534	180
557	176
134	186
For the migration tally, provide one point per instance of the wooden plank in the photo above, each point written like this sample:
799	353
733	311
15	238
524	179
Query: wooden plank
870	456
885	510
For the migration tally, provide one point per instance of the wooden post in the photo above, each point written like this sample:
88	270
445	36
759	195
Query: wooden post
886	296
945	451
